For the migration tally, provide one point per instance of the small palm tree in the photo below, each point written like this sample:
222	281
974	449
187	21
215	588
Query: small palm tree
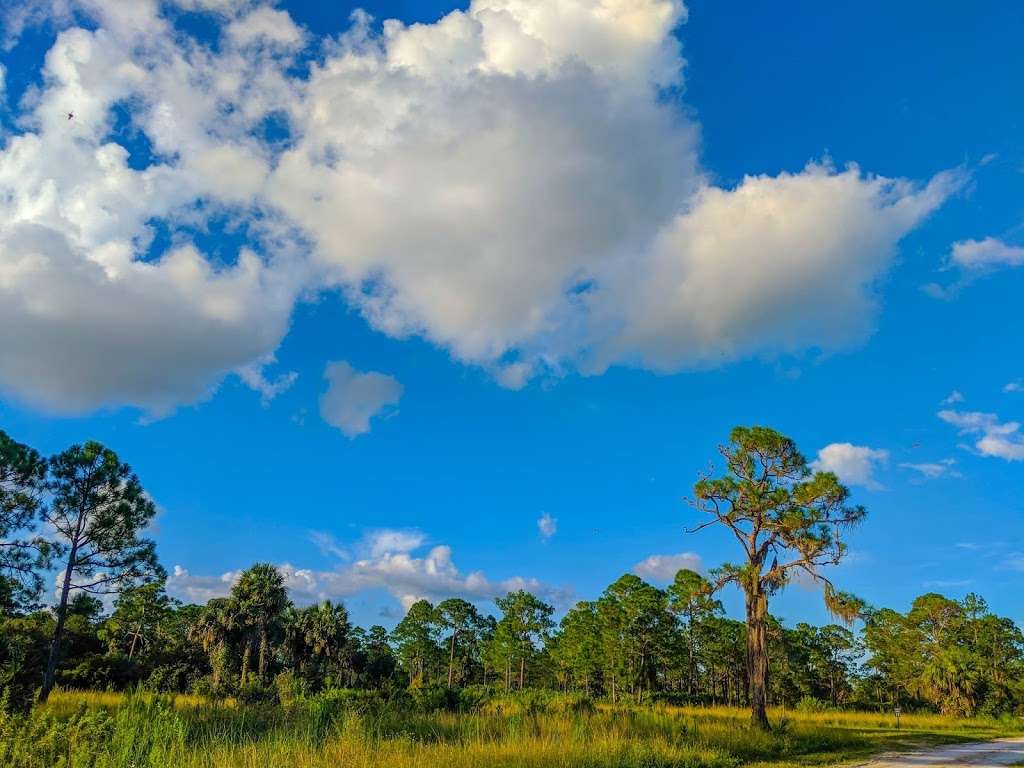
260	599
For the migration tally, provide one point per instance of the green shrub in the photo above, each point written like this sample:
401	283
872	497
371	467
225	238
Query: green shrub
811	704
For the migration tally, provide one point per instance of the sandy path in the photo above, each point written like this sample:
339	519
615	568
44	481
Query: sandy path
981	754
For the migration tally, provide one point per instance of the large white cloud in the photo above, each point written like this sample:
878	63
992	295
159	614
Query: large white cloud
510	182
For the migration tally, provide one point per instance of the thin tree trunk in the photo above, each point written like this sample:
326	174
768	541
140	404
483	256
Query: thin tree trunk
58	632
757	657
135	639
691	671
451	661
522	672
264	641
246	653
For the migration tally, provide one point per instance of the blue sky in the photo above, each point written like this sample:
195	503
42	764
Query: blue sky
552	269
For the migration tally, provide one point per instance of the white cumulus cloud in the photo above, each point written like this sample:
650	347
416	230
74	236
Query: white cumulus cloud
507	182
853	464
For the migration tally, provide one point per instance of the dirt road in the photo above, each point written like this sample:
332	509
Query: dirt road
983	754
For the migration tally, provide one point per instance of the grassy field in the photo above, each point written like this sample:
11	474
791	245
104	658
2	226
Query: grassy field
107	730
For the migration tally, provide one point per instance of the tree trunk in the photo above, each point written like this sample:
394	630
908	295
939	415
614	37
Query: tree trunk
264	642
522	672
691	670
58	632
451	661
135	639
757	656
246	653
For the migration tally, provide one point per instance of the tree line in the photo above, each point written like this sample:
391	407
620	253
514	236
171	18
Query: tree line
82	513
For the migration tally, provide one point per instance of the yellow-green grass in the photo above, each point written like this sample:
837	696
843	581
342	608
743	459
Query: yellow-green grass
109	730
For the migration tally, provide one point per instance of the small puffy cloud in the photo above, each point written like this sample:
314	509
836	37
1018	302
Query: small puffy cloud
392	563
387	541
974	259
853	464
986	254
353	398
547	526
266	26
665	567
1001	440
933	470
954	397
1014	386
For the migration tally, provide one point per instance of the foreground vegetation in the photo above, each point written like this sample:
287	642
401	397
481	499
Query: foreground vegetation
343	728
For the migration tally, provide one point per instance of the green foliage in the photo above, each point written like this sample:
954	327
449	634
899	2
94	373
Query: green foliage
97	510
776	508
23	554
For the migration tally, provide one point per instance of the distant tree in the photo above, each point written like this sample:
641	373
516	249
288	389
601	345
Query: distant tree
97	512
690	596
576	649
462	620
525	622
416	640
380	658
636	628
22	554
834	654
776	509
259	598
317	638
139	613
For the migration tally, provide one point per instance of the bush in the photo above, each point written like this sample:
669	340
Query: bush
290	689
811	704
171	678
255	692
101	671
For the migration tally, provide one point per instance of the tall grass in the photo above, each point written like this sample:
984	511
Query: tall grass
104	730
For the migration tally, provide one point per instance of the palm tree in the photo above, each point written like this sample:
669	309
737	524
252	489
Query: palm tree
261	599
317	634
213	629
